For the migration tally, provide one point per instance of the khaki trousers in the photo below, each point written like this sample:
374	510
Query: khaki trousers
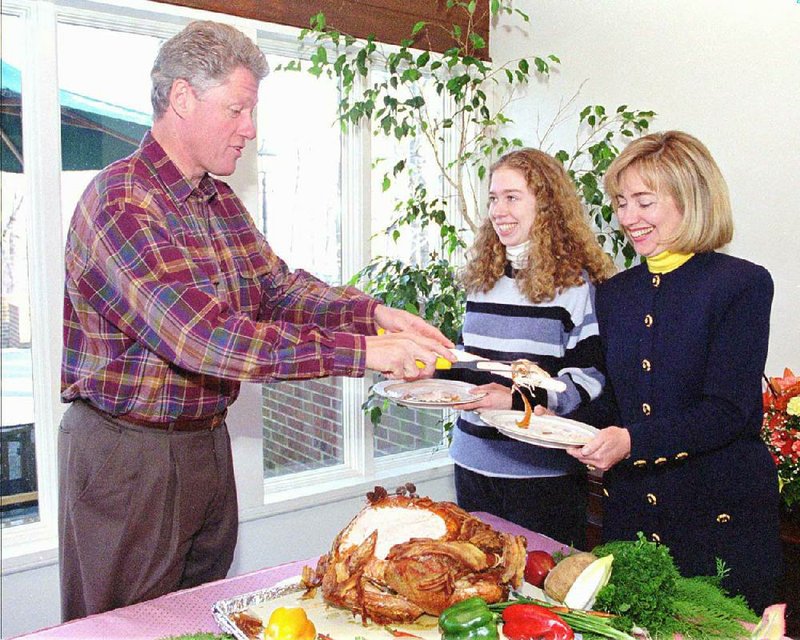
142	512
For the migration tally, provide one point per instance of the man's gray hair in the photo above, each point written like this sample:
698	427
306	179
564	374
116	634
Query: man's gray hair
204	54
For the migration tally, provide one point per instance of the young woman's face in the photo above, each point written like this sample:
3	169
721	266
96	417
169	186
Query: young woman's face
512	206
650	220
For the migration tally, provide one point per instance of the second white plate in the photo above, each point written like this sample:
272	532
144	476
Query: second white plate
543	431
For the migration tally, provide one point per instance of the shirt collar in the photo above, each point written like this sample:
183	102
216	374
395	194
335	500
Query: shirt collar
667	261
178	186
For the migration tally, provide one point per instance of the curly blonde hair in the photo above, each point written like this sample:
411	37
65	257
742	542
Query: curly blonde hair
562	247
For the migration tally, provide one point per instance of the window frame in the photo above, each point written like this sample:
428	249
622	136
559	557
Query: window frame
359	464
27	546
42	137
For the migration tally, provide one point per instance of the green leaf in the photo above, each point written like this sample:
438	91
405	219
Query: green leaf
318	21
386	183
411	75
419	26
477	41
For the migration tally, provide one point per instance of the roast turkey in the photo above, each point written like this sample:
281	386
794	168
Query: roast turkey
403	556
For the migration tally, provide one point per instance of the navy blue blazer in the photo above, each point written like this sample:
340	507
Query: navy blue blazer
684	356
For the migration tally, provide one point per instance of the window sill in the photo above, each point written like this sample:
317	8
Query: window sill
322	491
36	547
27	550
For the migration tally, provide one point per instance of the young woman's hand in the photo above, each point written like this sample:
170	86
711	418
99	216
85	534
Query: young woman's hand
497	397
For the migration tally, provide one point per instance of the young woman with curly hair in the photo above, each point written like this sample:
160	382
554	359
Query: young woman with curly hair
530	282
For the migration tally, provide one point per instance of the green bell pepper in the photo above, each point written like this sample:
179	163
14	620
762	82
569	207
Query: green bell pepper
467	620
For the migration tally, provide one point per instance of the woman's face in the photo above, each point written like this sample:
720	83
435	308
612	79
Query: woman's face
512	206
649	219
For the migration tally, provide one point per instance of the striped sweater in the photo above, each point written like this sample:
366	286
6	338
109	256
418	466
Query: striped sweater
561	335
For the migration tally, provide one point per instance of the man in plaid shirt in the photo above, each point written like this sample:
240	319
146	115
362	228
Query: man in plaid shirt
172	299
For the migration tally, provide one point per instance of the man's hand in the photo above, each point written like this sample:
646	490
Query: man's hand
407	346
399	355
396	321
605	450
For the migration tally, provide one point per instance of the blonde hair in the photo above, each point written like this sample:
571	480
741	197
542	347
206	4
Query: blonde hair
675	163
563	245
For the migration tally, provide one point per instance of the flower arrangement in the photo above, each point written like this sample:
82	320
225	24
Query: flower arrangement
781	431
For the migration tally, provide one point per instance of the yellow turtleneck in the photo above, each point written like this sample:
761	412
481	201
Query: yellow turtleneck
667	261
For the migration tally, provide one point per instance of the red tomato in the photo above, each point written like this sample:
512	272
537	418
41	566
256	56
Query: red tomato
537	566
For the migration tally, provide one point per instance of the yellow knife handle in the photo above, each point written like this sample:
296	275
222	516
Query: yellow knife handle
441	363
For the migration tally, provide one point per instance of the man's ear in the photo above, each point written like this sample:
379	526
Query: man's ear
180	97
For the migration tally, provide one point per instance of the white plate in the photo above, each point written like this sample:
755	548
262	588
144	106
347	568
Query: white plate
543	431
427	394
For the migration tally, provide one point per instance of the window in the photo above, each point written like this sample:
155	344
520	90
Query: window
31	248
301	170
313	202
104	100
20	498
403	430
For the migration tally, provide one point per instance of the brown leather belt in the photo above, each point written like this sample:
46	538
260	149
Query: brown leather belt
181	424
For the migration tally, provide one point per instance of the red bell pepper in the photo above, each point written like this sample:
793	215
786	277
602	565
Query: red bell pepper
532	622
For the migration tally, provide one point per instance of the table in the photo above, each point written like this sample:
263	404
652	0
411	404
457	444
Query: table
189	611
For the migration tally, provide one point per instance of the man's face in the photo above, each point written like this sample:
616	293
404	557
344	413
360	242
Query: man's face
218	124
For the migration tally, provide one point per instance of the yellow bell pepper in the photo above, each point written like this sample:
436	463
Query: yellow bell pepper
289	623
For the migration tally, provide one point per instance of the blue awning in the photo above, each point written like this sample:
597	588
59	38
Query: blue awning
93	132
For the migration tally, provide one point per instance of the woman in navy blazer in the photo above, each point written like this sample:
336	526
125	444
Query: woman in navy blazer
685	338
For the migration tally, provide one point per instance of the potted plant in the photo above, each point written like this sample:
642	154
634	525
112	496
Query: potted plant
463	140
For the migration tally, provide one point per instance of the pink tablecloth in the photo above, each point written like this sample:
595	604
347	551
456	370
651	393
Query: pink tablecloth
189	611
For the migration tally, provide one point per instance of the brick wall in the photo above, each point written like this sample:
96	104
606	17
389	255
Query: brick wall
303	427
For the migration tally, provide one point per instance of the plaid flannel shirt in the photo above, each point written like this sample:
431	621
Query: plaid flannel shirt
173	298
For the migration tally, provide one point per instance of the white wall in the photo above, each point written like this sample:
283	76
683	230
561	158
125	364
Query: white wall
726	71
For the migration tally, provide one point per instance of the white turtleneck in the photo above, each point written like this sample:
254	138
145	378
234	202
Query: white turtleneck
518	255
